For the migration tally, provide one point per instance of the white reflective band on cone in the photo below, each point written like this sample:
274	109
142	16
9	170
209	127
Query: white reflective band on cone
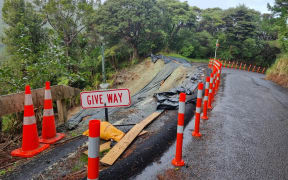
181	107
93	147
180	129
211	80
48	94
206	98
199	94
93	179
198	110
207	85
48	112
28	99
210	90
29	120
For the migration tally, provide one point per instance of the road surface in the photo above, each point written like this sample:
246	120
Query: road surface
246	136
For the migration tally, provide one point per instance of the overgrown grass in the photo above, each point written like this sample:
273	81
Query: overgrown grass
186	58
278	72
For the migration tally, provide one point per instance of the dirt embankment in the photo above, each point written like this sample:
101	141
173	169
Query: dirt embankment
278	73
137	77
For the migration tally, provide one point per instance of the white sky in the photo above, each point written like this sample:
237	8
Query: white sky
259	5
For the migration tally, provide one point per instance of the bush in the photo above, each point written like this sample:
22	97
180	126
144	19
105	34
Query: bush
279	71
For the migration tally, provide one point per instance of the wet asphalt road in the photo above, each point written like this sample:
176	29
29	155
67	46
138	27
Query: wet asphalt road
246	136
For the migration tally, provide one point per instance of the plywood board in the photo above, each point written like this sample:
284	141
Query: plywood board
107	145
120	147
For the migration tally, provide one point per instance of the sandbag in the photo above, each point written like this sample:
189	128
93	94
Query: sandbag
108	131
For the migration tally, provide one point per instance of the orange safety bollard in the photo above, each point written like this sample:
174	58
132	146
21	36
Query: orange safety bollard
213	86
258	69
210	91
178	161
244	67
93	149
49	135
240	66
228	65
205	104
217	82
249	67
253	69
30	141
196	132
232	65
263	70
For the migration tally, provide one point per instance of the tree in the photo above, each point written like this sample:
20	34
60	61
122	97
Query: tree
211	21
280	11
67	17
25	40
127	19
175	15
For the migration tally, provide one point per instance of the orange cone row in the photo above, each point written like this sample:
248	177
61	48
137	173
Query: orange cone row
31	145
243	67
210	91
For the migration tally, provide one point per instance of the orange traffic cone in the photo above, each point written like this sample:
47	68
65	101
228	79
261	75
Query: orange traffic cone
49	134
30	142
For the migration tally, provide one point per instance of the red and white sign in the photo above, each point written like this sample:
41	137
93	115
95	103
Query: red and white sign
112	98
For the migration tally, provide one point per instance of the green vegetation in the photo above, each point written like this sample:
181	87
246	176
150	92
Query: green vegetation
60	40
278	72
186	58
2	172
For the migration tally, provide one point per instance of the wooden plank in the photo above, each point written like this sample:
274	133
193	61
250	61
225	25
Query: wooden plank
107	145
62	111
120	147
13	103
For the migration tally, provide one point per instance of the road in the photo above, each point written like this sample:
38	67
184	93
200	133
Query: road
246	136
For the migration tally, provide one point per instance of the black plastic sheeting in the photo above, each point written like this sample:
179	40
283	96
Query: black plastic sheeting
170	100
149	89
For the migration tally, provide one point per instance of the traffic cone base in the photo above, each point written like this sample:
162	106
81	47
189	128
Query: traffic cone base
196	134
20	153
177	163
210	107
204	117
52	140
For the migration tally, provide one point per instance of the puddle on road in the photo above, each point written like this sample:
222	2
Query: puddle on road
159	166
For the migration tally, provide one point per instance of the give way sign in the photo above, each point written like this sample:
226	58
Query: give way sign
112	98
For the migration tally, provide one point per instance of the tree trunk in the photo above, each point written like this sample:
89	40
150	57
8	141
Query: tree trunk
135	52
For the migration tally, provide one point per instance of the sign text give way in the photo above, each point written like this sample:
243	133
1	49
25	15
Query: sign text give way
112	98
